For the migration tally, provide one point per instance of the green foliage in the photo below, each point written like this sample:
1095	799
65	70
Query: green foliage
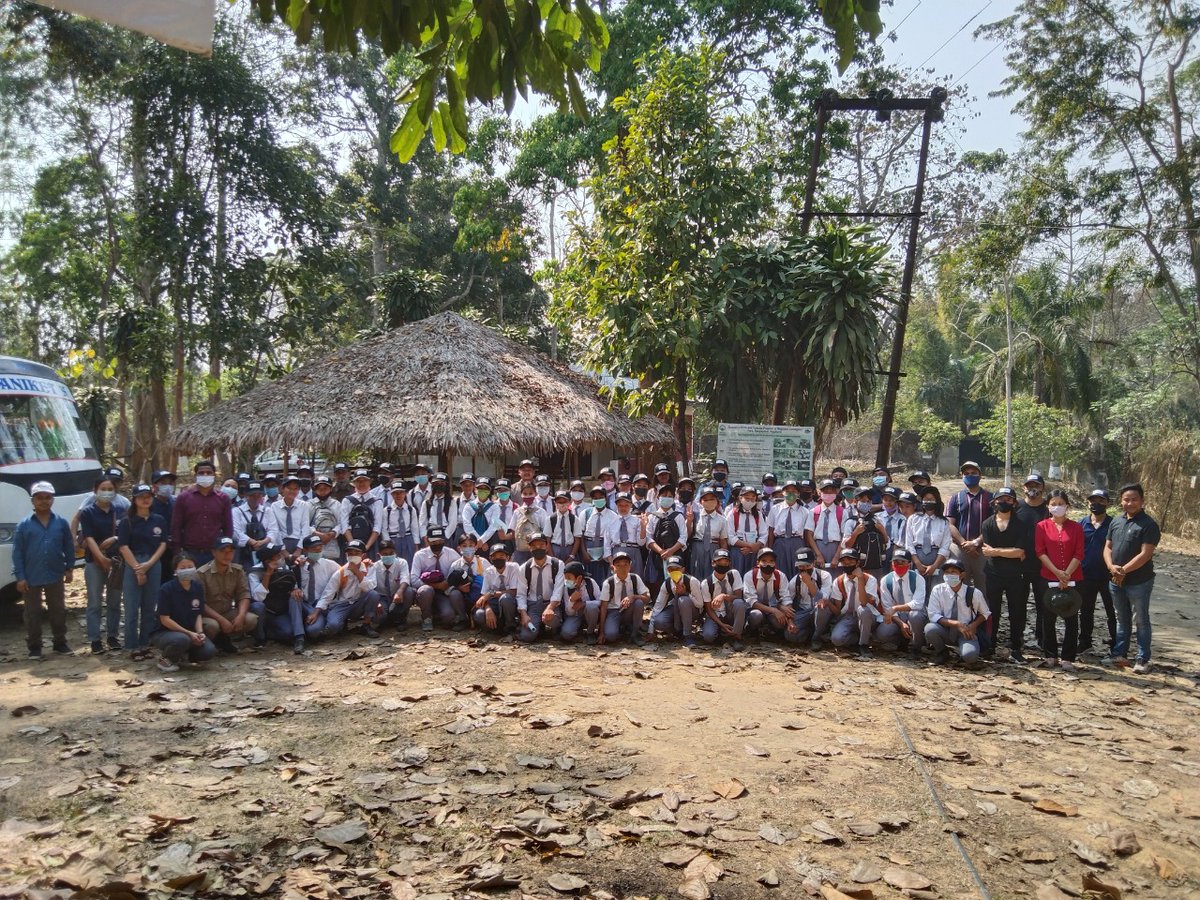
1040	434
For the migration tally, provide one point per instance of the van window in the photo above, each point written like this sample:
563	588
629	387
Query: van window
36	428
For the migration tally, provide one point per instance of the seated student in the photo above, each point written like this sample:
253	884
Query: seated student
254	524
326	515
789	528
710	533
527	519
474	565
539	584
623	598
852	605
579	594
180	634
496	608
274	583
768	597
724	608
399	522
390	586
228	608
809	586
680	599
349	596
902	593
566	529
436	598
957	612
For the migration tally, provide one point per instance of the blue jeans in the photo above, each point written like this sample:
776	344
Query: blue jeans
1127	598
140	604
101	590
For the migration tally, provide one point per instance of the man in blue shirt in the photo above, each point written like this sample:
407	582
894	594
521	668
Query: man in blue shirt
43	559
1095	572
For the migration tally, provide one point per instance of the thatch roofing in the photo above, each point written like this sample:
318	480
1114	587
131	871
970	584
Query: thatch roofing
442	384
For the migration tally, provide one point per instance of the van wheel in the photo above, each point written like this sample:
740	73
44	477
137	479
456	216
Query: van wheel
9	594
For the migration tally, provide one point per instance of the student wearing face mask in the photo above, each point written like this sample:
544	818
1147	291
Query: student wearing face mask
769	491
608	481
810	585
709	533
481	514
957	612
539	591
201	516
102	573
231	489
1002	541
828	516
475	565
179	635
304	473
666	536
623	599
566	529
595	530
680	601
496	608
768	597
390	588
326	515
685	495
641	493
724	604
579	496
1058	541
808	494
142	539
289	594
545	493
662	476
720	481
789	528
863	530
1095	573
1032	510
527	520
507	508
579	594
421	488
747	529
928	537
902	599
436	597
880	479
440	509
919	480
628	531
270	483
293	517
382	488
349	595
892	518
855	607
254	525
163	505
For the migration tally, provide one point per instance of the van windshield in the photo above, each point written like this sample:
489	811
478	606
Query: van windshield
37	428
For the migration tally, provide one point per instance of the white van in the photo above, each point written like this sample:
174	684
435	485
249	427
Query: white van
41	439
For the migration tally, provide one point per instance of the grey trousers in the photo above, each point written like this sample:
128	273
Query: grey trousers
534	609
938	636
505	608
848	629
888	634
615	619
677	618
735	617
572	624
176	646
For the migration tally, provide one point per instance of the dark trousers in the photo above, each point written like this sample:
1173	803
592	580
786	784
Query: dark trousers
1015	589
1088	589
1035	584
56	605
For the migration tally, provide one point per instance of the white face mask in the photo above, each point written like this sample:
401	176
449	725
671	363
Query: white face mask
185	574
205	480
747	505
1058	510
230	492
576	496
952	580
105	495
543	490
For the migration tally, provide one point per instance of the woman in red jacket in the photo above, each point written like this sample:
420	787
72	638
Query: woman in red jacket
1058	542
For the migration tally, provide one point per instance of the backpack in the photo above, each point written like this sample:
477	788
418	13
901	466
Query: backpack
554	562
323	518
775	581
554	517
279	591
255	529
870	546
588	585
839	510
361	520
394	533
666	531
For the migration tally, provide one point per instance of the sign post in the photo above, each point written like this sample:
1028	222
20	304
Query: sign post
753	450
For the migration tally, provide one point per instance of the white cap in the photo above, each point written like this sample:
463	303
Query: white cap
42	487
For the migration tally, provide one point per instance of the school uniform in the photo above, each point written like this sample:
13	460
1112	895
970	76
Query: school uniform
963	606
573	606
507	510
385	583
143	536
445	607
475	567
654	569
257	524
526	521
855	622
731	611
441	512
677	606
183	606
750	527
537	587
283	618
827	532
596	547
361	525
326	517
294	523
416	497
708	529
771	592
896	526
625	533
927	538
612	593
347	597
402	525
896	591
564	529
788	525
504	606
545	503
480	519
804	603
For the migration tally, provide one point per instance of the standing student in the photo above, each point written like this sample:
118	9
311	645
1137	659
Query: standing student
179	634
566	529
254	525
362	513
1129	555
747	529
1032	510
595	531
526	474
539	585
768	597
293	517
641	493
627	531
528	519
1002	541
919	480
164	505
481	514
1059	545
440	509
304	472
229	610
880	479
437	599
102	573
1095	573
724	603
966	511
579	496
326	516
893	519
496	608
789	528
661	476
902	599
608	481
43	560
506	509
864	530
623	598
384	476
201	516
720	481
579	593
956	614
545	494
680	601
710	533
400	523
810	586
666	536
827	525
142	539
342	488
685	495
390	585
927	537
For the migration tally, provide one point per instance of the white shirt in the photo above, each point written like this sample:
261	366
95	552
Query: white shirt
744	526
507	511
962	605
505	582
667	593
802	598
348	504
539	583
527	520
730	584
438	515
587	588
323	572
400	521
388	579
845	589
348	588
773	591
928	532
424	560
895	591
565	527
610	592
595	528
827	521
895	524
800	520
490	511
633	532
301	520
716	523
244	515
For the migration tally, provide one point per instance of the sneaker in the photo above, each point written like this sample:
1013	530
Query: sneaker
737	646
97	648
689	643
1018	658
941	657
298	646
1115	662
35	652
865	653
368	630
460	625
259	642
1142	667
115	645
637	640
427	624
165	665
224	644
1067	665
816	644
62	647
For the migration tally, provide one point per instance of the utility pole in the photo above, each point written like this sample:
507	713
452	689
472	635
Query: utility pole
883	104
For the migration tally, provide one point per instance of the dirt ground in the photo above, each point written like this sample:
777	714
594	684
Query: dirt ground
447	767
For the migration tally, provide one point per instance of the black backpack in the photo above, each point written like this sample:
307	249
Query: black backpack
362	518
279	591
870	546
553	561
666	531
255	530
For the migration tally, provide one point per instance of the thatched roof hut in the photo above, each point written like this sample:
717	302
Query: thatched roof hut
443	384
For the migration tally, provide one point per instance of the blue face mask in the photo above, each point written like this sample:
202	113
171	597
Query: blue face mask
971	480
272	492
666	502
313	556
879	481
421	479
388	560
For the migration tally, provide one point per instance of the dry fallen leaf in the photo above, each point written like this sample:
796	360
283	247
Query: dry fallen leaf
567	884
757	751
902	879
730	790
1099	889
1089	854
1055	808
679	856
1141	788
694	889
1124	842
1165	867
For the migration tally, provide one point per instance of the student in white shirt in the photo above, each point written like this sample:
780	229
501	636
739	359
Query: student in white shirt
481	514
892	518
539	587
475	564
527	519
956	613
466	490
273	584
383	482
399	522
435	596
305	473
390	585
666	535
545	494
928	537
361	512
789	528
851	606
627	531
420	490
254	525
768	597
566	529
724	606
440	509
326	516
508	509
747	529
680	600
641	493
623	598
827	525
904	615
352	596
293	517
594	531
579	594
496	608
809	586
710	533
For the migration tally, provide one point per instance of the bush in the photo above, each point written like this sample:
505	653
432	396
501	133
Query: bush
1040	433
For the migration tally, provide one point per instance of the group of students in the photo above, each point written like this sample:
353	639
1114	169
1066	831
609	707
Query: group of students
300	558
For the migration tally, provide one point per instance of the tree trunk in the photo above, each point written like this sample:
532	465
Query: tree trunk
680	425
1008	374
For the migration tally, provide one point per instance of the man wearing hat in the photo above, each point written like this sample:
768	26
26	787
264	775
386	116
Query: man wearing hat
680	601
201	515
810	585
274	583
400	523
789	528
768	597
539	584
919	479
326	516
526	473
957	612
43	560
724	606
435	596
293	517
966	510
362	513
254	525
579	594
496	608
304	472
851	607
163	505
904	617
710	533
720	481
342	488
228	610
1095	574
623	598
1032	510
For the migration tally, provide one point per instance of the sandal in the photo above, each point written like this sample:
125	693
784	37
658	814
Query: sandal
141	654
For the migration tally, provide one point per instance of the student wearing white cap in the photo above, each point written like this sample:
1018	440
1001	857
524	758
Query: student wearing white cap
290	593
851	607
566	529
710	533
957	611
810	586
539	585
724	606
441	509
43	559
481	514
496	608
747	529
390	585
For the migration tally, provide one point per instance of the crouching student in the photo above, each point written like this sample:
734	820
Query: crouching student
436	598
496	608
902	593
580	593
623	599
350	596
305	584
852	606
767	596
228	608
680	599
810	586
539	586
180	633
956	613
724	606
390	588
474	565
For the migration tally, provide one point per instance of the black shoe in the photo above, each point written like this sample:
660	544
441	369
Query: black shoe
941	657
865	653
259	642
637	640
298	646
115	645
1018	658
35	652
62	647
370	632
224	644
97	648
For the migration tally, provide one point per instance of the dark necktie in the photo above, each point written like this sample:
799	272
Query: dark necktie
312	585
